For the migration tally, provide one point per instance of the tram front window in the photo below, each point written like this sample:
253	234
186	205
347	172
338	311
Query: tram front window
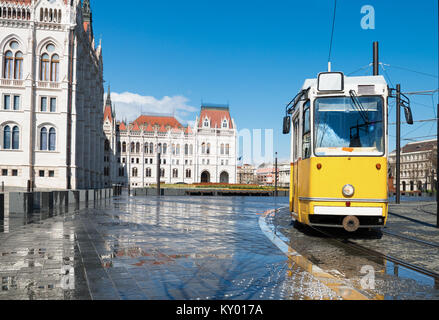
345	128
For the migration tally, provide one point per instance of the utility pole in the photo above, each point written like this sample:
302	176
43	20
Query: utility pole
376	61
437	155
275	177
158	170
398	144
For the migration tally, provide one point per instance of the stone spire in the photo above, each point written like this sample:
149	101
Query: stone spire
108	102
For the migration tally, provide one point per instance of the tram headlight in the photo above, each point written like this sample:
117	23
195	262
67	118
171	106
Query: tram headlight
348	190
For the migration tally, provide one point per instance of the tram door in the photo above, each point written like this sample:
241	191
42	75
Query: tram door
295	161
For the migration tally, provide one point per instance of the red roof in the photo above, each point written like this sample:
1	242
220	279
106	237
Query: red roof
216	115
158	120
135	127
108	113
122	126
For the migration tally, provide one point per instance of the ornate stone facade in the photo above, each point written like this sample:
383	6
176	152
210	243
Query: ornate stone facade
51	91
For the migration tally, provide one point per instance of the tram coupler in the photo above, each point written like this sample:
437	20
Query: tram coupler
351	223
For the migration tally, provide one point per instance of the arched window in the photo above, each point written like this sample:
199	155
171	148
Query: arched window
151	148
206	122
132	147
43	139
225	123
173	149
148	173
208	148
7	138
54	68
52	139
186	149
137	147
8	66
15	138
222	148
18	66
175	173
188	173
124	147
44	69
178	149
227	149
203	148
191	149
134	172
165	148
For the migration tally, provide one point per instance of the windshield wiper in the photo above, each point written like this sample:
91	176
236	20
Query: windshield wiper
359	107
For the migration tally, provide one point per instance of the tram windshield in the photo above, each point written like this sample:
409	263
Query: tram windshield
343	127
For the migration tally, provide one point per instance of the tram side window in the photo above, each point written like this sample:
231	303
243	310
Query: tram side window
296	139
306	144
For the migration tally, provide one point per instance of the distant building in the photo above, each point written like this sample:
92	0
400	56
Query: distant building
205	153
247	174
266	175
418	166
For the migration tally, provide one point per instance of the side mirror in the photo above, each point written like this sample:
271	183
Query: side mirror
408	115
287	125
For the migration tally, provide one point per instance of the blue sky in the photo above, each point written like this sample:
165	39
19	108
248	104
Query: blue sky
255	55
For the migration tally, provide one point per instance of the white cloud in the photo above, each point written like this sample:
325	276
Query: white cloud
130	106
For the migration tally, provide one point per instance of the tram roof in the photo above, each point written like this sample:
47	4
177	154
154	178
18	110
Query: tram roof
351	81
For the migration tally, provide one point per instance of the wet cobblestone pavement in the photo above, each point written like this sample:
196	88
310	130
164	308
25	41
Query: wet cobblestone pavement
201	248
145	248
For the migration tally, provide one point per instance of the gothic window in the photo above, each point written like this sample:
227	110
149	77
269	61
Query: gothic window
203	148
132	147
54	68
188	173
148	173
43	139
222	148
18	66
15	138
151	148
178	149
225	123
165	148
8	66
162	173
206	123
52	139
186	149
227	149
124	147
208	148
137	147
191	149
175	173
7	138
44	74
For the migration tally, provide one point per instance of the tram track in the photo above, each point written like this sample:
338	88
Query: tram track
361	248
408	238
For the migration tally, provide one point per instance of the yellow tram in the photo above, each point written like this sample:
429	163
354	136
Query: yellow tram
339	152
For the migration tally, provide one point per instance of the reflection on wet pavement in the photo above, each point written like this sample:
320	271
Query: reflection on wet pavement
149	248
